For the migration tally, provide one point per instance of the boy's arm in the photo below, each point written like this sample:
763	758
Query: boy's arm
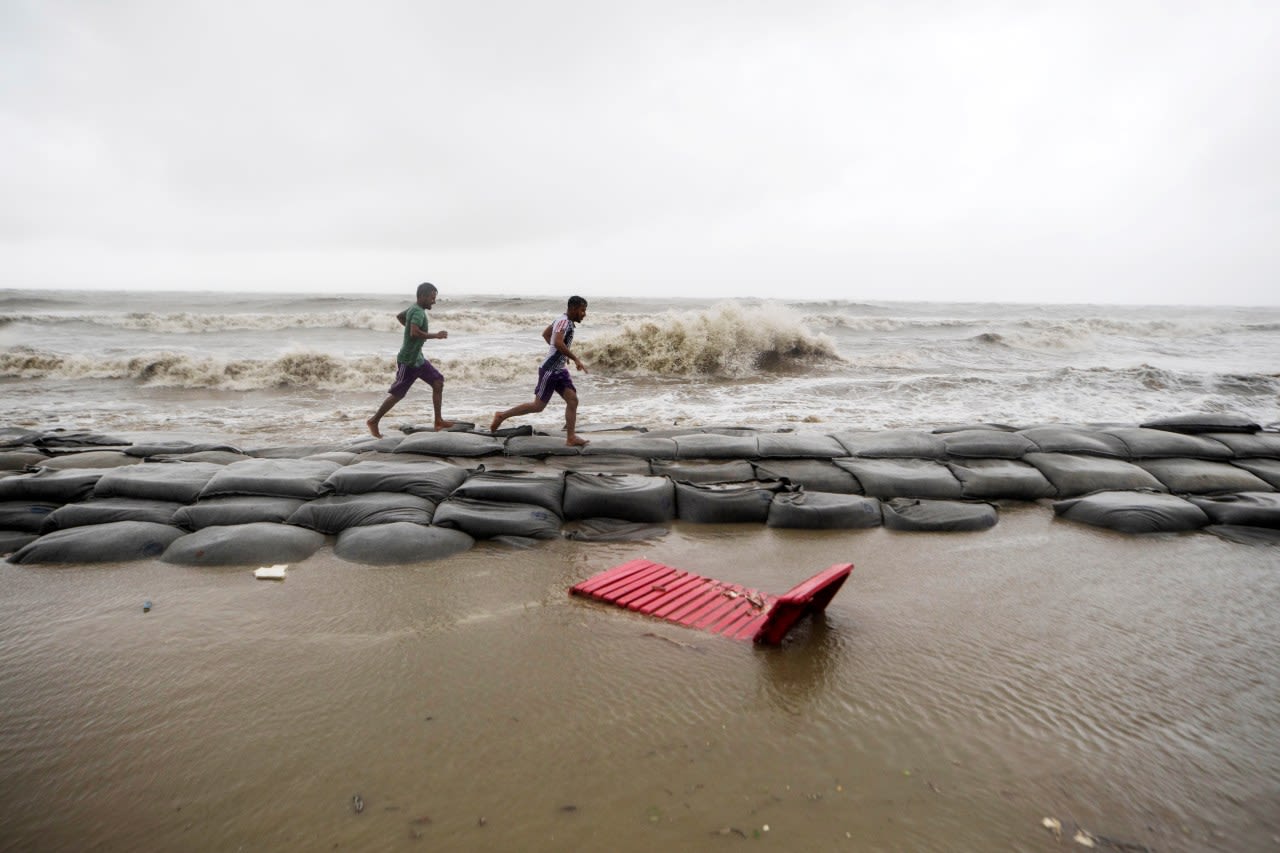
564	350
401	316
546	333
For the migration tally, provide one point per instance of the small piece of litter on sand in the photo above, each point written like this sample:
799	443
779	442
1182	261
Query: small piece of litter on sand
1083	839
1053	825
271	573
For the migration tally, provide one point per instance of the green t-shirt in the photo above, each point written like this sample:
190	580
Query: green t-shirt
411	351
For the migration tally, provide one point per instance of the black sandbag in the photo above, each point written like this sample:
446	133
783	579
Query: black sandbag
178	448
1001	479
712	446
1251	509
432	480
258	544
1202	477
1260	444
588	464
234	510
903	478
59	438
1263	469
798	445
181	482
544	489
464	444
815	475
539	446
52	486
929	516
486	519
724	503
88	459
703	471
823	511
107	510
12	540
640	446
1063	438
25	516
1245	535
116	542
630	497
272	478
20	460
986	444
335	513
1201	422
1073	475
614	530
1144	443
892	444
399	543
1133	512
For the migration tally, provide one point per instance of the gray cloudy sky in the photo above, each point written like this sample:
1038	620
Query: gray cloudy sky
966	151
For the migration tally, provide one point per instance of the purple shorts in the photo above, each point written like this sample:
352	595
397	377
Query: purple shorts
407	374
553	382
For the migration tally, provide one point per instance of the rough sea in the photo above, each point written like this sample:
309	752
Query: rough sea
283	367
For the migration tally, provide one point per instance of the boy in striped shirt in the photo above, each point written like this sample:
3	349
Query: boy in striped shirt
553	375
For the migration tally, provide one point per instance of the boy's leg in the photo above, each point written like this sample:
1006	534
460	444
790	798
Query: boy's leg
571	418
437	394
372	423
515	412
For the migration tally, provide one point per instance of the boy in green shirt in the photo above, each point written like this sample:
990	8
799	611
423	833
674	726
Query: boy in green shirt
410	363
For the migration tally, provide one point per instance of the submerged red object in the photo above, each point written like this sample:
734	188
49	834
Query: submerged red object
711	605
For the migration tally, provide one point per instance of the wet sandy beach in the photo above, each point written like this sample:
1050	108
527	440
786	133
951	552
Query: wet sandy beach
961	688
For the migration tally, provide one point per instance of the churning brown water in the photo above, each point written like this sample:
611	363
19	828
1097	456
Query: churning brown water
961	688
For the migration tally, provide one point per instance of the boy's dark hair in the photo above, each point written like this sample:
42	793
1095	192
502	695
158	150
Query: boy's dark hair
425	288
575	301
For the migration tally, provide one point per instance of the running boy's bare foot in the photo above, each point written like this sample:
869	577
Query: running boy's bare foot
574	441
497	421
373	428
443	425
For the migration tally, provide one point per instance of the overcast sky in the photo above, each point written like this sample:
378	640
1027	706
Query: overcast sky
961	151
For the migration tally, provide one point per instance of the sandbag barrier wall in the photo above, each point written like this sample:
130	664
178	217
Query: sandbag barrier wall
87	498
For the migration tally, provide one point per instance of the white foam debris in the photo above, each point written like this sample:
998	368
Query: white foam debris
271	573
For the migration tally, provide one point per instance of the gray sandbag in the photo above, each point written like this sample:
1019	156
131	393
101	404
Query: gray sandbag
929	516
823	511
271	478
725	503
177	448
386	444
614	530
903	478
487	519
25	516
1251	509
1245	535
20	460
217	457
1260	444
399	543
1064	438
798	445
544	489
181	482
12	540
237	509
1202	477
1144	443
59	438
53	486
986	444
89	459
892	444
815	475
335	513
463	444
341	457
107	510
713	446
116	542
432	480
1073	475
703	471
1201	422
258	544
588	464
640	446
1001	479
629	497
1133	512
1263	469
539	446
11	437
292	451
